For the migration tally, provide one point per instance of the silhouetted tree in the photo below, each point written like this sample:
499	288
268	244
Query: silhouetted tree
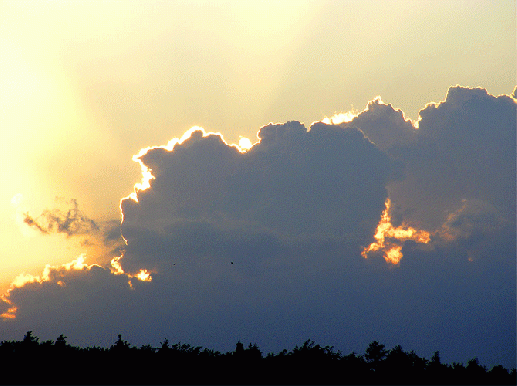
475	372
61	341
28	362
239	348
120	345
500	376
164	346
30	341
375	353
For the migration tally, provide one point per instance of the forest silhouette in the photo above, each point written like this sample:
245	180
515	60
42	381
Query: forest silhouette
30	361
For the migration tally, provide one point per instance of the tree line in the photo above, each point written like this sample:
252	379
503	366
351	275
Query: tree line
30	361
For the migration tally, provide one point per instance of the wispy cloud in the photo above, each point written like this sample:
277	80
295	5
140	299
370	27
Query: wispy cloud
72	221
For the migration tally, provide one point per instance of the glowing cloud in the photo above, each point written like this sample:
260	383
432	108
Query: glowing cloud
116	269
292	184
49	274
245	144
60	275
220	241
144	275
11	311
338	118
390	239
147	173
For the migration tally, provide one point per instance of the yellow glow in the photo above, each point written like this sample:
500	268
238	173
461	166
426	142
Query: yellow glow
9	314
77	264
390	239
394	254
336	119
116	268
147	176
245	144
11	311
22	279
144	275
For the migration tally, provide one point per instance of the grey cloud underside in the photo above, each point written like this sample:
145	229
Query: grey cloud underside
464	149
294	186
293	214
385	126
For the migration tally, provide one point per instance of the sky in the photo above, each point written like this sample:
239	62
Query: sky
270	172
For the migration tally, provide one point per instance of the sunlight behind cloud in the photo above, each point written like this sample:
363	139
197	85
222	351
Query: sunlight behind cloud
85	85
245	144
144	275
116	269
338	118
47	275
147	173
390	240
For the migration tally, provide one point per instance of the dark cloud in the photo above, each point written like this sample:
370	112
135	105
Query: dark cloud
385	126
463	149
209	199
293	215
72	221
73	298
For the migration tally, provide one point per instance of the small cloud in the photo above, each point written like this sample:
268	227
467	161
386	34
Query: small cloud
473	217
72	221
27	219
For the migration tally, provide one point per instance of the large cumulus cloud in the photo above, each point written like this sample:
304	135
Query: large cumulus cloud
294	186
265	245
464	149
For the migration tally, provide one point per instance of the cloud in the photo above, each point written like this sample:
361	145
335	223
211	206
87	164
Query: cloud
73	296
474	216
384	125
265	245
390	239
72	222
101	240
209	199
465	150
461	150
